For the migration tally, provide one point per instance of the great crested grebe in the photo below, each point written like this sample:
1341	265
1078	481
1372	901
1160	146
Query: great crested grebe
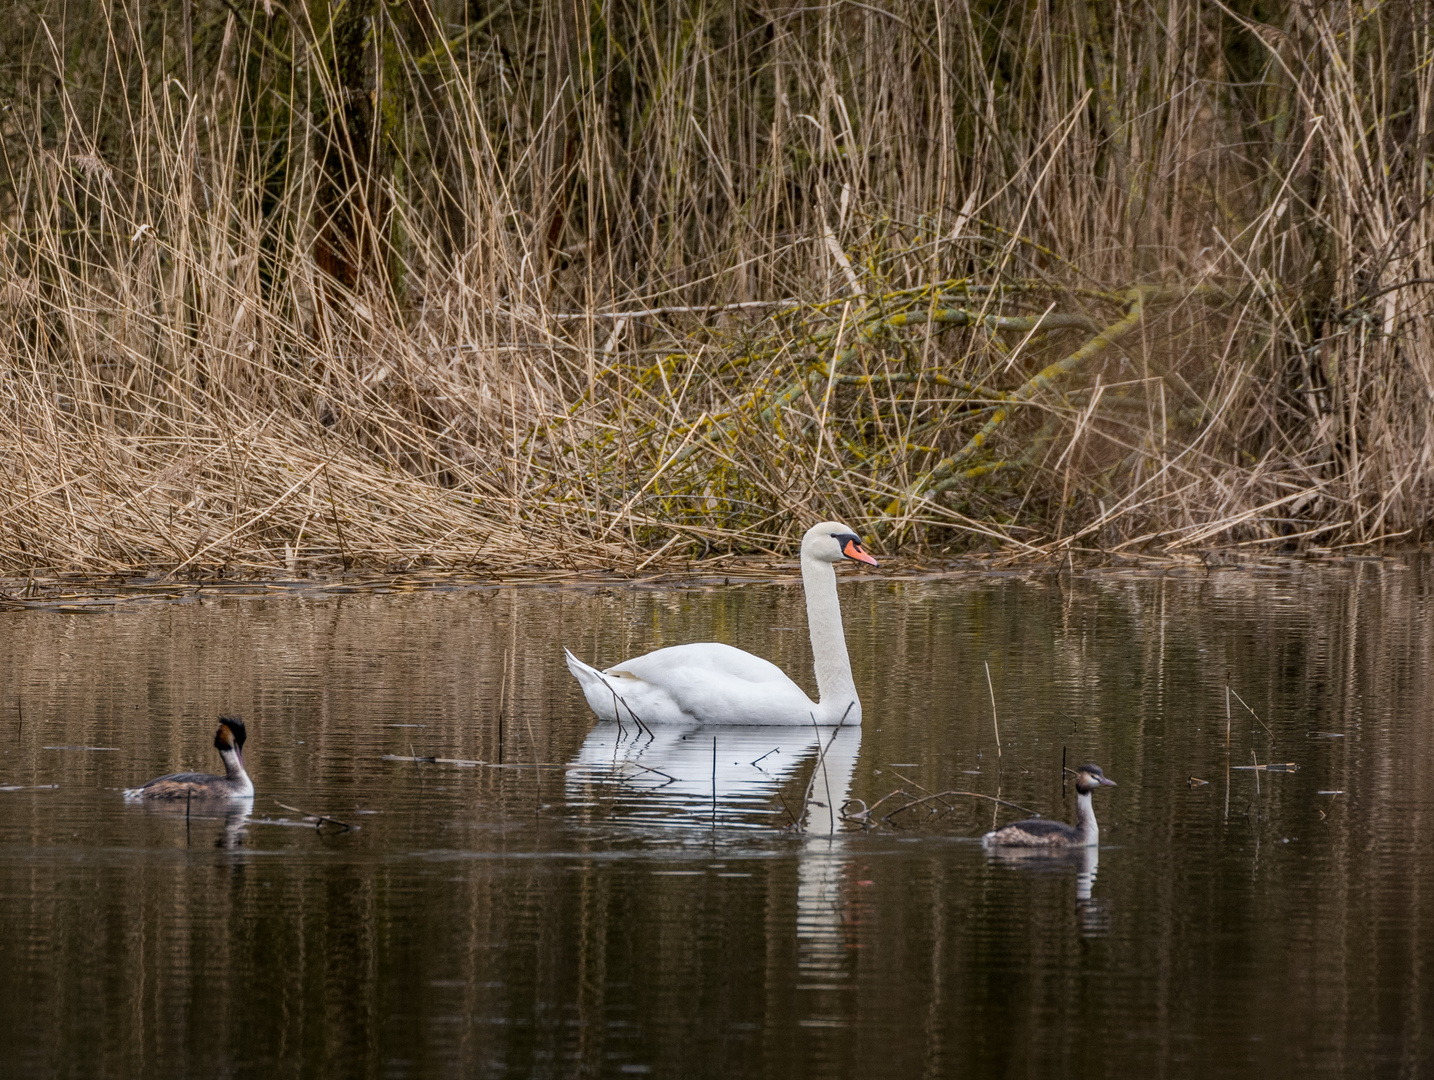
1043	833
234	784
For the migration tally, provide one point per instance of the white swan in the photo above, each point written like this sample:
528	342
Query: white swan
711	683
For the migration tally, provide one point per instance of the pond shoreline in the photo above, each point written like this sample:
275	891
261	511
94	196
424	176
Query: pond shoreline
83	593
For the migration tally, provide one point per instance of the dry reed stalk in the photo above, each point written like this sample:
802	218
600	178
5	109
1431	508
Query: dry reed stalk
334	287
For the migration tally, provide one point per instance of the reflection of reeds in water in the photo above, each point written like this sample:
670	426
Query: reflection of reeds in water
304	287
1340	651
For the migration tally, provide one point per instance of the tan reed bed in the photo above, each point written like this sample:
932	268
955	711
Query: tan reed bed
317	287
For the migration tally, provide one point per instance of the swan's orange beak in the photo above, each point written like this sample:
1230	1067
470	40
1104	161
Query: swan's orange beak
853	550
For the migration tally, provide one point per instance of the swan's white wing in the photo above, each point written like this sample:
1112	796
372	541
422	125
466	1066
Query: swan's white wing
704	660
709	683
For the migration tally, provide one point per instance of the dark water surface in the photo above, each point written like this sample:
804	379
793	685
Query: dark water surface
612	904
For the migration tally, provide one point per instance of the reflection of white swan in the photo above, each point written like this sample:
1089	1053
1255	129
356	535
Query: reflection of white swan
725	775
824	960
671	777
712	683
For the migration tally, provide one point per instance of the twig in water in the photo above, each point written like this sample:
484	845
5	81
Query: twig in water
502	698
822	763
1333	794
1227	712
812	780
319	820
994	722
966	794
862	816
919	787
793	823
826	781
648	768
617	713
537	772
889	795
768	754
1252	712
466	763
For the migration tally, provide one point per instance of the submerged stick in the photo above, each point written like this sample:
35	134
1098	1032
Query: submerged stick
319	819
821	765
994	721
1227	713
502	699
965	794
648	768
1251	711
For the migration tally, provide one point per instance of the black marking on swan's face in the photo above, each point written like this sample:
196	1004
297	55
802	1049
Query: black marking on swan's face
850	546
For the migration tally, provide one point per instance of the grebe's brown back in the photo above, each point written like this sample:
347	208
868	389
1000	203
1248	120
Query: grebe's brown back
1044	833
234	784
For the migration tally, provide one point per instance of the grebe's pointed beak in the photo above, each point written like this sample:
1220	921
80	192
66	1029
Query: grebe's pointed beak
1106	781
853	550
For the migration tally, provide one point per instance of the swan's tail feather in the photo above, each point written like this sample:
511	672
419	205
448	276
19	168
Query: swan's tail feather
601	698
582	672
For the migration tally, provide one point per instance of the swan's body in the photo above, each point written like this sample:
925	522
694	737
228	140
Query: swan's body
1044	833
711	683
234	784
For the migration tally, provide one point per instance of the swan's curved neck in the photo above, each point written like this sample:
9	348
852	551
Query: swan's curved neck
836	693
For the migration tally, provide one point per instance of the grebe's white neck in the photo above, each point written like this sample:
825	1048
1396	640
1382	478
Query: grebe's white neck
1085	819
234	771
836	692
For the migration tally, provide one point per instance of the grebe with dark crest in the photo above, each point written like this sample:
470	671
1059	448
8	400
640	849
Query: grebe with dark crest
1044	833
234	784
